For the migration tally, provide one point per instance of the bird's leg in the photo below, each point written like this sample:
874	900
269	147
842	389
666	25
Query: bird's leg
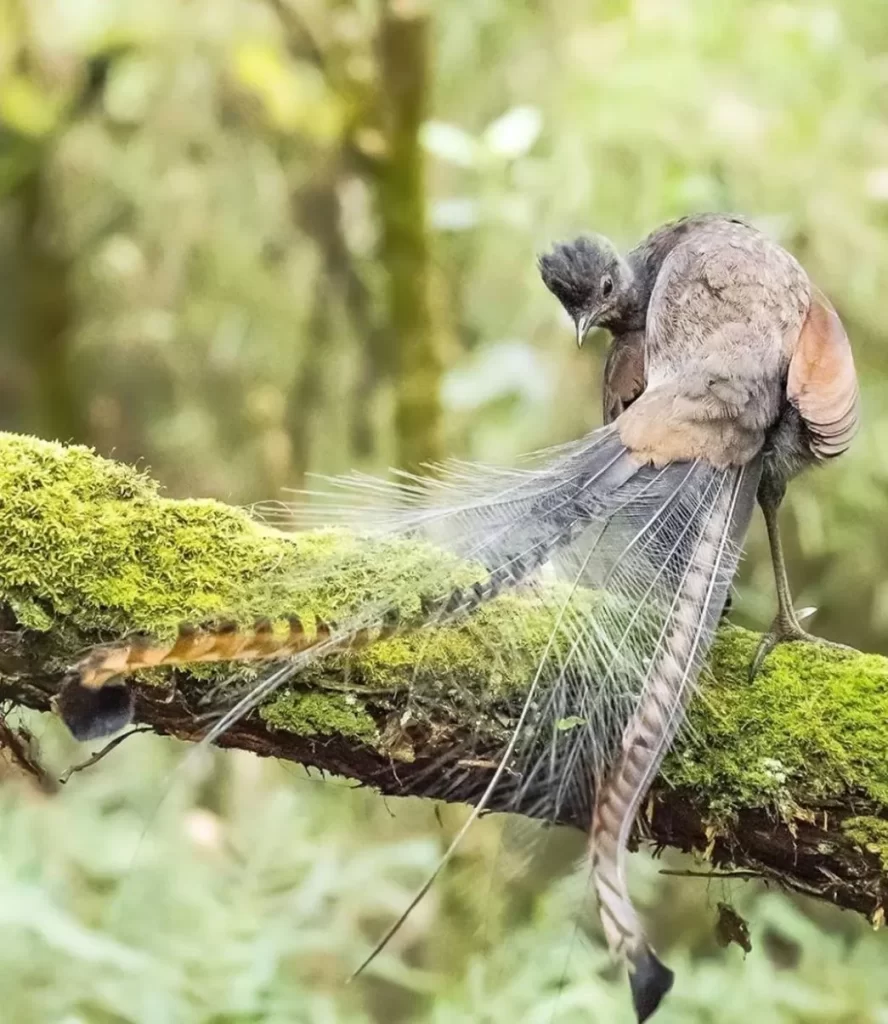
728	605
786	626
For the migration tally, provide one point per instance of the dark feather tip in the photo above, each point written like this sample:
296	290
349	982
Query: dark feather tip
91	714
650	980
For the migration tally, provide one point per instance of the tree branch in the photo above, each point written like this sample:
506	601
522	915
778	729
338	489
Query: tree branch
786	776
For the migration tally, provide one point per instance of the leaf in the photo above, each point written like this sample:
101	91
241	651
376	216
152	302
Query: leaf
454	214
571	722
129	91
514	134
731	927
26	108
501	370
450	143
292	93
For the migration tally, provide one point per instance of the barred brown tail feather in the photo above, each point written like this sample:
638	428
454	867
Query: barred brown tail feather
697	570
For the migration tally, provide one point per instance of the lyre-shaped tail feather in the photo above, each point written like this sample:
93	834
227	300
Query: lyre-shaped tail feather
622	571
95	700
508	521
696	571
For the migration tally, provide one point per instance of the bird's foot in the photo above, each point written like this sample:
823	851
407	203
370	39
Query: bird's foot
787	629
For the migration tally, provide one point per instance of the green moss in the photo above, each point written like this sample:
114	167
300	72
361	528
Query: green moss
320	714
494	652
88	548
89	541
810	726
870	834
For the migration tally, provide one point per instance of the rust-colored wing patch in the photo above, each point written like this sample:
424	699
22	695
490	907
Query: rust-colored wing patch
822	381
623	379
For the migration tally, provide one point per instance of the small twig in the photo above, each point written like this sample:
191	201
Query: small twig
357	690
90	761
296	28
712	874
475	762
18	743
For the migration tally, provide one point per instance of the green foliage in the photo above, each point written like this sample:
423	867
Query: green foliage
191	273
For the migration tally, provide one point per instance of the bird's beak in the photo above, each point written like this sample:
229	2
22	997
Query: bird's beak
583	323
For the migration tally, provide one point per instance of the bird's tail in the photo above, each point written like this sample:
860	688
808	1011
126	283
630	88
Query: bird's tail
501	525
642	557
694	571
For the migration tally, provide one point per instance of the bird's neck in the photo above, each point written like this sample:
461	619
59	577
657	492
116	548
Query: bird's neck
630	314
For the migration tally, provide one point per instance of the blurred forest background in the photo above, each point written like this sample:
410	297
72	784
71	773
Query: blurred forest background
241	240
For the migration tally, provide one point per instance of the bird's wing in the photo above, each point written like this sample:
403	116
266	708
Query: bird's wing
623	379
822	381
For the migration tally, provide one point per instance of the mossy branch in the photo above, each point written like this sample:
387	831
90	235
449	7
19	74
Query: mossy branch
786	776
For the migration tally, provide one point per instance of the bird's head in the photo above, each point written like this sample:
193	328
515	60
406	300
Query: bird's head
591	281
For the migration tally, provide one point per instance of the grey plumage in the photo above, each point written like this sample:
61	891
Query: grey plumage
736	363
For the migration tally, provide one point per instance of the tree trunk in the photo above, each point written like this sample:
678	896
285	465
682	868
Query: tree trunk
404	65
46	318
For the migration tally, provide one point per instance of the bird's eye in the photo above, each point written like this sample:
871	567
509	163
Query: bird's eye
607	286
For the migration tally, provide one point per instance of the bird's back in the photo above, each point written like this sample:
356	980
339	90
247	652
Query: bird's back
725	313
648	256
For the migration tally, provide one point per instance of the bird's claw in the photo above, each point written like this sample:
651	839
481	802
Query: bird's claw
784	630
